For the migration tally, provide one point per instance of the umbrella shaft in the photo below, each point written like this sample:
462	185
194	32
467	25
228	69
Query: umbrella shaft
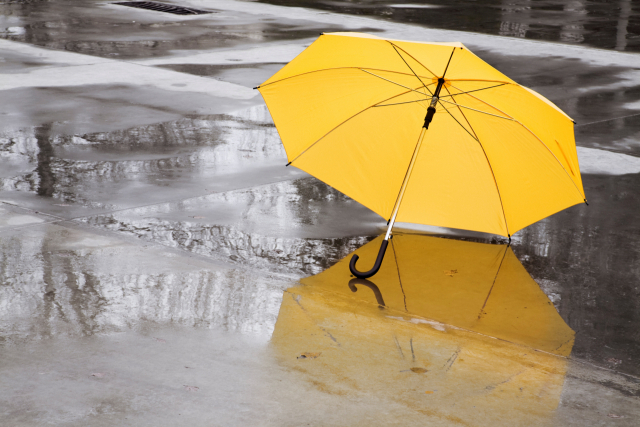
434	101
396	208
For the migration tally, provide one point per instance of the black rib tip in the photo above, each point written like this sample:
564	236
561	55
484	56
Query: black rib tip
288	164
586	203
574	122
322	34
257	87
509	239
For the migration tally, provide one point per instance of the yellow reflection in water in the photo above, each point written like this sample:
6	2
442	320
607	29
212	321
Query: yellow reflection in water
378	342
475	286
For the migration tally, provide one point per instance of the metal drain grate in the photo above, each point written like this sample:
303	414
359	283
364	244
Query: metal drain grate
163	7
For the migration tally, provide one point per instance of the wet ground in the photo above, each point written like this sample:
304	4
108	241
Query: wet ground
157	256
606	24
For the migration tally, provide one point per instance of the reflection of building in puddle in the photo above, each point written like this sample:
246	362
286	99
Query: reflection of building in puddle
72	167
515	18
60	281
564	21
350	339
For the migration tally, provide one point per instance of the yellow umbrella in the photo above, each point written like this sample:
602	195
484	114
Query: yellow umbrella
353	110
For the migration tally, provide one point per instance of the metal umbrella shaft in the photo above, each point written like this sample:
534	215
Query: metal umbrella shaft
383	247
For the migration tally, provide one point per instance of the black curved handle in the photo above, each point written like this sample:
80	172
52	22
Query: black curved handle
376	266
370	285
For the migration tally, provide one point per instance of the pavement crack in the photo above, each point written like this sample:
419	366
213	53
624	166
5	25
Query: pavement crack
398	345
491	387
449	363
413	355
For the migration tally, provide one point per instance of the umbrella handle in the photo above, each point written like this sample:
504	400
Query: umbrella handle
376	266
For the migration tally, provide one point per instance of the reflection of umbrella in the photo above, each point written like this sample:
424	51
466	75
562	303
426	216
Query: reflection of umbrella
475	286
353	110
342	344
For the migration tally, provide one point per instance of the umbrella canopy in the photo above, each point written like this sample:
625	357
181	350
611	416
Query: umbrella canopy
357	112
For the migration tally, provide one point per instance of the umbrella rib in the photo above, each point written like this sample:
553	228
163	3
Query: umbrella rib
407	64
535	136
329	69
475	90
473	109
345	121
495	181
411	56
461	125
449	62
400	103
411	102
391	81
405	102
480	80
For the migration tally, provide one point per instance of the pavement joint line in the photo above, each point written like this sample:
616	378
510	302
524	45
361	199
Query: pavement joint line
20	227
31	210
55	219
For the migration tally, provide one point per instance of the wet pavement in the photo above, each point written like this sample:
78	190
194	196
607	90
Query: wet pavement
157	256
606	24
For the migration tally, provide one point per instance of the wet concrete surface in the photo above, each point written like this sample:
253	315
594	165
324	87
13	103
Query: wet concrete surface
148	223
116	31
